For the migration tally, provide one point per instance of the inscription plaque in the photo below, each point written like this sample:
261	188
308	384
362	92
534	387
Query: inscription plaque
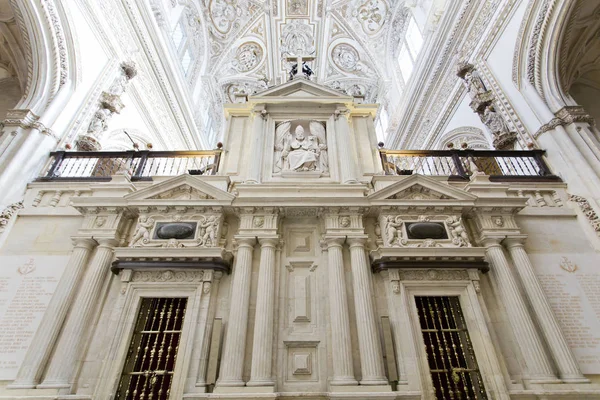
26	287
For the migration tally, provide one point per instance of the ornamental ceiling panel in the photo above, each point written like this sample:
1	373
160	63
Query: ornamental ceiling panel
252	41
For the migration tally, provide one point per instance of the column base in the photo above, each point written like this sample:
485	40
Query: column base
344	381
244	389
53	385
362	389
229	384
261	383
575	379
21	385
374	382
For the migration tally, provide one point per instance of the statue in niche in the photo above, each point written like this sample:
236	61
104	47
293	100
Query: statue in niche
301	152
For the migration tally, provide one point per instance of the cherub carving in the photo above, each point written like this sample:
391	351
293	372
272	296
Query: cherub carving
142	232
393	231
209	227
458	232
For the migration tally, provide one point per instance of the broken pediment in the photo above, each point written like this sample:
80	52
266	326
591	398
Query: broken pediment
183	187
420	187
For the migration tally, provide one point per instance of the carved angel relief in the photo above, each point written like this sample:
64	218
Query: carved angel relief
304	150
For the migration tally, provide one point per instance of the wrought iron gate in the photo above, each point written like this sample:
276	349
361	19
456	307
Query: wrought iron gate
450	354
148	370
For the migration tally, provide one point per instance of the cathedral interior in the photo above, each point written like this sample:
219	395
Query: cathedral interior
299	199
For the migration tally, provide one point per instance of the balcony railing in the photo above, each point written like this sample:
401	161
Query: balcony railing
140	165
461	164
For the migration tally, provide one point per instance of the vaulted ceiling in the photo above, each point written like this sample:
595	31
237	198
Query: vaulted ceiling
352	40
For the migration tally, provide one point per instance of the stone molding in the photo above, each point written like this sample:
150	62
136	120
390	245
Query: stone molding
26	119
565	116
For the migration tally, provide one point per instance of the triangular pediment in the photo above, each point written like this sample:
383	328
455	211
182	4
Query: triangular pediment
421	188
183	187
300	88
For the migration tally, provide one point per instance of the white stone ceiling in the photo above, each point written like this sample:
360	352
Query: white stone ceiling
352	40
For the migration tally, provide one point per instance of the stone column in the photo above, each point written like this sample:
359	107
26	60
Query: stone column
536	364
212	310
565	361
262	348
369	342
48	331
232	360
341	347
63	367
345	150
257	149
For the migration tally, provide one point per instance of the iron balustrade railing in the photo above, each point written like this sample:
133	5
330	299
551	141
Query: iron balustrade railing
141	165
461	164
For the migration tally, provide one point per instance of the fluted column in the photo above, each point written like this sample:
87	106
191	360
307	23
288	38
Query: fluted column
54	317
537	366
62	369
232	360
341	347
262	348
568	368
369	342
344	150
212	310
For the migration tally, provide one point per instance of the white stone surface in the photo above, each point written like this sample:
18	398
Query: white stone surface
26	287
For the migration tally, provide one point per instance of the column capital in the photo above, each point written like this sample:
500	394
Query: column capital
492	240
514	241
84	242
107	242
334	241
357	241
268	241
245	241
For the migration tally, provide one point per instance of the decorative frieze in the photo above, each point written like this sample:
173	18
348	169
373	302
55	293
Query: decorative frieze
433	275
168	276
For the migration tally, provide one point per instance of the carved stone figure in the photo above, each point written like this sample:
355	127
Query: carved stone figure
209	227
297	38
142	232
99	123
394	235
458	232
494	121
300	152
474	83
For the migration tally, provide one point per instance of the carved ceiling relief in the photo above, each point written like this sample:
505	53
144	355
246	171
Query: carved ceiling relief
297	8
248	56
